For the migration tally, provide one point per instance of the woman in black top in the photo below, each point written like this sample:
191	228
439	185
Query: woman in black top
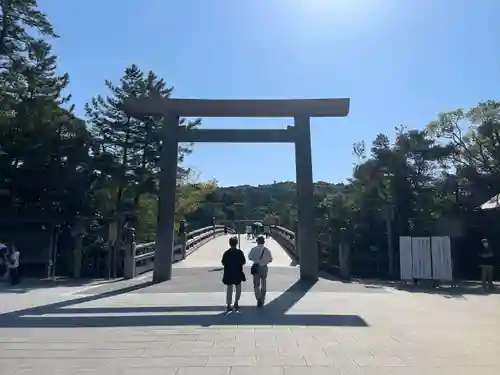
233	261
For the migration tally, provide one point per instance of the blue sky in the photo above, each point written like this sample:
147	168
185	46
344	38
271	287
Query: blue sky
400	62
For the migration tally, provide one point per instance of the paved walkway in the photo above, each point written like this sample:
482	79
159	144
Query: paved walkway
210	254
176	327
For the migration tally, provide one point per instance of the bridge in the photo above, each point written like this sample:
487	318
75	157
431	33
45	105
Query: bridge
204	248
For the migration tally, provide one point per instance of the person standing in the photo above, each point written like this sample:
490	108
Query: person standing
267	231
4	259
486	264
261	256
233	261
255	232
13	264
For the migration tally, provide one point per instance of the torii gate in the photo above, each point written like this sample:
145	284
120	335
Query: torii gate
300	134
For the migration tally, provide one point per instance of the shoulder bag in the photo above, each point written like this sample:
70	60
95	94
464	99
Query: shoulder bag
254	270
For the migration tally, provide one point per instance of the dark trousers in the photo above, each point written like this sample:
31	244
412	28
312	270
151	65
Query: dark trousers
487	275
14	276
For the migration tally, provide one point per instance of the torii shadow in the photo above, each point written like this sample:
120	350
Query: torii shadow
274	313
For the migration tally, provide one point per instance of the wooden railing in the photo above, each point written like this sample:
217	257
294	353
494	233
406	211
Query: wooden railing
328	254
287	239
140	257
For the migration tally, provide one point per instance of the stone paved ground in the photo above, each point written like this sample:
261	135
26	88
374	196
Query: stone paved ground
32	293
307	330
176	327
208	280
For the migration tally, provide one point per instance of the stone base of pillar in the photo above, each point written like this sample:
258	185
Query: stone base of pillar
159	278
308	277
309	272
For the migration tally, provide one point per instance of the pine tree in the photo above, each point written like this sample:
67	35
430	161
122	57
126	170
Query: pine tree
21	26
133	143
16	16
116	133
44	142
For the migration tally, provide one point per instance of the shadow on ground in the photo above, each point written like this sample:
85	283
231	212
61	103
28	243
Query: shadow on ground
218	269
27	285
62	314
460	289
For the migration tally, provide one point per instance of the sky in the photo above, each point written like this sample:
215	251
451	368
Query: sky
400	62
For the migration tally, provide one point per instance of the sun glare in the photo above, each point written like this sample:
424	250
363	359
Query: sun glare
329	5
348	13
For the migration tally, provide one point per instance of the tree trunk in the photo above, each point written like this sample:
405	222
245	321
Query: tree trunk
390	247
345	260
77	257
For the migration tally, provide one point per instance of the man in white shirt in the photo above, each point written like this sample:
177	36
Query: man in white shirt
260	256
248	230
13	264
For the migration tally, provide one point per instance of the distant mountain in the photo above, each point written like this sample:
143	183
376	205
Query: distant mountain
272	202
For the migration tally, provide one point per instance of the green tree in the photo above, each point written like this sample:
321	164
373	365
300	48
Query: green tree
19	21
43	141
472	139
131	146
16	18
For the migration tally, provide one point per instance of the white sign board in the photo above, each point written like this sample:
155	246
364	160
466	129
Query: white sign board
421	256
405	258
442	267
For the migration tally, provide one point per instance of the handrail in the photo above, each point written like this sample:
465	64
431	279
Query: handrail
285	231
141	256
287	239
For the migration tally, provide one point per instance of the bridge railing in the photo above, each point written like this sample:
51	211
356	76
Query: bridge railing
140	257
287	239
327	251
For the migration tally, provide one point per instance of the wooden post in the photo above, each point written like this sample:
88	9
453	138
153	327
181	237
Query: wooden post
77	256
182	242
344	255
129	261
165	236
78	232
389	216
